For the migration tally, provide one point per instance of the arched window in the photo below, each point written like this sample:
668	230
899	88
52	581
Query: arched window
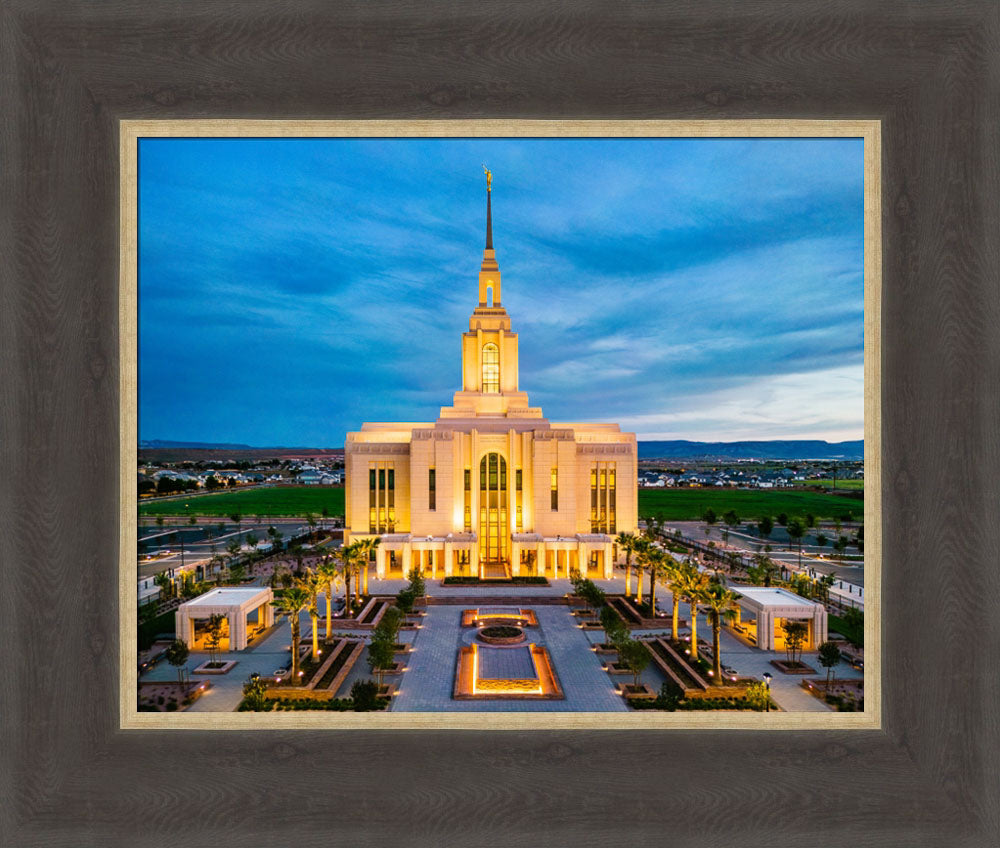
489	295
491	368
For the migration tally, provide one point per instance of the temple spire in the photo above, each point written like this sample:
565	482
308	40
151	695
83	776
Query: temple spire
489	210
489	273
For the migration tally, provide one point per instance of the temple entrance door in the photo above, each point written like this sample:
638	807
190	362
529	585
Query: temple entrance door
494	537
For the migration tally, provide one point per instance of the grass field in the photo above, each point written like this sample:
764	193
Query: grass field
290	500
674	504
749	505
854	485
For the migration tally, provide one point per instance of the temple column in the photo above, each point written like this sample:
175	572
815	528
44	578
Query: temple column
609	561
515	559
407	558
449	559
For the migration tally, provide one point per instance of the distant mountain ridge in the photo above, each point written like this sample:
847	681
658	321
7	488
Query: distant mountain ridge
782	450
677	449
170	443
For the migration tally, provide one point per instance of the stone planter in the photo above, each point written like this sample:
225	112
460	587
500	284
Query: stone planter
204	668
501	635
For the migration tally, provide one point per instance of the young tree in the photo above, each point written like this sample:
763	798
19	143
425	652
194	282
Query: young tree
213	636
237	519
253	541
417	585
381	655
709	517
177	654
254	693
795	637
237	573
829	656
765	524
821	540
635	657
615	630
796	530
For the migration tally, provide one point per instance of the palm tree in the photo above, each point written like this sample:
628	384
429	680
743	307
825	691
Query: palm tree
313	585
719	601
657	564
367	547
626	541
642	548
345	562
329	574
292	602
675	577
692	586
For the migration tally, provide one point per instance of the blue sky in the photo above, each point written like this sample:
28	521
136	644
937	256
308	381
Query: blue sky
290	290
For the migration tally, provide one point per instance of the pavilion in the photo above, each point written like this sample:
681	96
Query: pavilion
761	612
237	604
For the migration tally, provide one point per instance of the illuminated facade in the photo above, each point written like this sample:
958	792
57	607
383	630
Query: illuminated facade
492	488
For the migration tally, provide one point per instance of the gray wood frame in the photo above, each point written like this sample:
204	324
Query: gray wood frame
70	72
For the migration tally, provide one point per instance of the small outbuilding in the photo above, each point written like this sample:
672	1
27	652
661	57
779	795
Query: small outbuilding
762	612
248	611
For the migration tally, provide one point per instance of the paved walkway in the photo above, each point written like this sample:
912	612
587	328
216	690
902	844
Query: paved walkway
428	685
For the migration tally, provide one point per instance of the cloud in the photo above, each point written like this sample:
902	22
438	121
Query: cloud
290	290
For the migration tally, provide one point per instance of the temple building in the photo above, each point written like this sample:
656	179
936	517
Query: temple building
491	488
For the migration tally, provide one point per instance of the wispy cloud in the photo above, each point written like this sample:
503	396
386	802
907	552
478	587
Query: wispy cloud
290	290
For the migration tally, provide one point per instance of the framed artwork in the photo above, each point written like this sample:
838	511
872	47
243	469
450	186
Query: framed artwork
556	537
915	767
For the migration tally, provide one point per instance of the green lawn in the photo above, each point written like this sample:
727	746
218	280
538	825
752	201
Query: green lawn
749	505
287	500
828	484
674	504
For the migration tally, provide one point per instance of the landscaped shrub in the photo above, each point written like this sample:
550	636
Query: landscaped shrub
364	694
172	707
515	581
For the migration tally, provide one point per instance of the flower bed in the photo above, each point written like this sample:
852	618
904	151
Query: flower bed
340	705
514	581
501	634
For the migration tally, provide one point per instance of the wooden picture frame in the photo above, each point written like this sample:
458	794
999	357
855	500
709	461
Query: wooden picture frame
132	131
927	72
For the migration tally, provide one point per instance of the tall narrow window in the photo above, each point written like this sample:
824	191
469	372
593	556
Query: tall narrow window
554	486
491	368
518	516
602	497
381	498
467	522
431	489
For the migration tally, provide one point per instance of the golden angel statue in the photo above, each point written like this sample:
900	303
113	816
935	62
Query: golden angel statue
489	178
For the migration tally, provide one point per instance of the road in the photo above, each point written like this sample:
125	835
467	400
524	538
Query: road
201	540
850	575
